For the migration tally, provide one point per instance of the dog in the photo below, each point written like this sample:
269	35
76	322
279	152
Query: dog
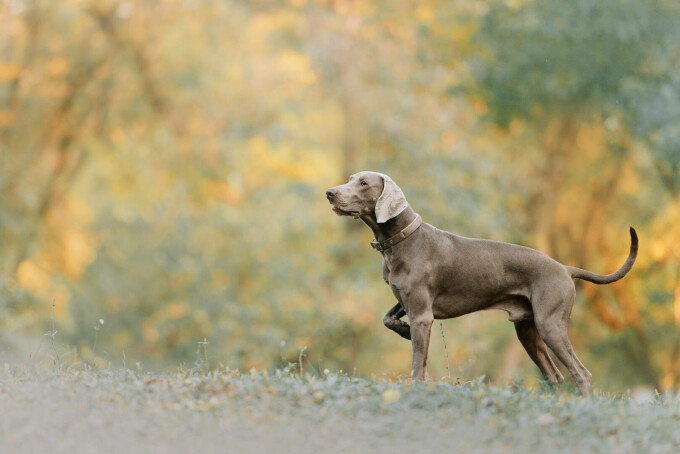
435	274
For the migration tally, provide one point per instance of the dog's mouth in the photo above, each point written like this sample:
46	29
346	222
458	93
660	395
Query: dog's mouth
341	212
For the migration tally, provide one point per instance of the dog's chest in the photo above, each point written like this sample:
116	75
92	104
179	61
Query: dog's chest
394	270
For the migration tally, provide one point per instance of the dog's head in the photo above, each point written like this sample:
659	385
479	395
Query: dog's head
366	194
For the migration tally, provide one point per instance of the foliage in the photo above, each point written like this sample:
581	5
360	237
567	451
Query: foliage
163	164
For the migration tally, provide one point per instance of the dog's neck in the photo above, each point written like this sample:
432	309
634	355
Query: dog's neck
392	226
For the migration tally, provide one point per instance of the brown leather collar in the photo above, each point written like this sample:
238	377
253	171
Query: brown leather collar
381	246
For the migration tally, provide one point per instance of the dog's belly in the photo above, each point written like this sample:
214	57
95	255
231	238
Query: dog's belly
517	307
447	307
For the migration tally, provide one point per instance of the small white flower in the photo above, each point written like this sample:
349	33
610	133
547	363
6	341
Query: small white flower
326	371
101	321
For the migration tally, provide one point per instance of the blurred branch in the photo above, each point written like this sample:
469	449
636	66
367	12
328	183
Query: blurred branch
34	18
107	22
67	165
58	125
558	143
634	320
602	310
593	228
669	177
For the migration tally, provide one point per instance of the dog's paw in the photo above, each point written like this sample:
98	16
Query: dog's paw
404	331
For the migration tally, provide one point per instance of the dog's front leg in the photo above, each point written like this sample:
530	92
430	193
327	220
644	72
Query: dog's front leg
421	325
391	320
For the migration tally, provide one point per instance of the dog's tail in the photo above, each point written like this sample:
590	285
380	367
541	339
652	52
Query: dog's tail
578	273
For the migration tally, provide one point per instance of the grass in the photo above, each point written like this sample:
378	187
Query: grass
74	410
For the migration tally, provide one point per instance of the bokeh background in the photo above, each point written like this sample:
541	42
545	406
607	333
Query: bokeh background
163	166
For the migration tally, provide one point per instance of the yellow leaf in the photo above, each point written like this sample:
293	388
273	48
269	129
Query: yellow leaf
390	396
77	252
6	118
265	23
9	70
298	66
176	310
58	66
226	192
32	277
425	13
150	333
449	138
479	106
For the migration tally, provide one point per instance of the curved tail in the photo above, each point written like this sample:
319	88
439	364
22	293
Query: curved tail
578	273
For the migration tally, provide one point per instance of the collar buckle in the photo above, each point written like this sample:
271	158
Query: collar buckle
382	246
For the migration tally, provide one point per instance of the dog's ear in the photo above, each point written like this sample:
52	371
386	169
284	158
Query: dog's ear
391	202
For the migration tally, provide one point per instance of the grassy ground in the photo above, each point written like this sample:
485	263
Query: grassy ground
223	411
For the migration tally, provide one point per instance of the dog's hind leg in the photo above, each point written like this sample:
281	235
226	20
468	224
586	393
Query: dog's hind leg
537	350
552	309
559	343
391	320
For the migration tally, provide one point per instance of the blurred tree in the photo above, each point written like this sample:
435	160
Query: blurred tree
573	74
162	167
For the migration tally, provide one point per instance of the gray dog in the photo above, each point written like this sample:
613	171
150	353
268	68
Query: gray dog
436	275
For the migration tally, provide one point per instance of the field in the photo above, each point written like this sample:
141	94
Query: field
132	411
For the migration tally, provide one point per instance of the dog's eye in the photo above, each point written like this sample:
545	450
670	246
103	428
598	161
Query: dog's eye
363	183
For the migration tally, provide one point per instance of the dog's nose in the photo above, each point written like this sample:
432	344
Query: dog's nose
330	194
